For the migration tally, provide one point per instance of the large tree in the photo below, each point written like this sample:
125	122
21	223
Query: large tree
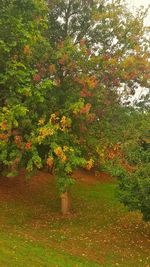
64	64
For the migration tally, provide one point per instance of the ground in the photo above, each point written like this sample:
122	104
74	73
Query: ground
99	232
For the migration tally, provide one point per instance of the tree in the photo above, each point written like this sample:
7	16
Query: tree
34	132
129	160
69	62
134	185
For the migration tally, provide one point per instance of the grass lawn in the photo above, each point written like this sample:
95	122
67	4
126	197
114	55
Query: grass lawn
17	252
98	232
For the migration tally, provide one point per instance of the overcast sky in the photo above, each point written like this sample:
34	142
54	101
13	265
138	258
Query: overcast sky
138	3
133	4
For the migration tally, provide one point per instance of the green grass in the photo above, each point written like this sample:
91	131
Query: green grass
99	232
17	252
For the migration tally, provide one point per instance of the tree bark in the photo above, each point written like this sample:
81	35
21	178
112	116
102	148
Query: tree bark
65	203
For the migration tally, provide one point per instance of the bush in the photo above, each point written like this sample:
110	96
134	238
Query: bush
134	190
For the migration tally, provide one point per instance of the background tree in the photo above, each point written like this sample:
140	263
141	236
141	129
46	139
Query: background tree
134	183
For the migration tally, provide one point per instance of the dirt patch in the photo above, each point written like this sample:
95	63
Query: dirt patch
92	177
22	188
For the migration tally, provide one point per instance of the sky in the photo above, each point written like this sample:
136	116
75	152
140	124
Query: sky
132	5
138	3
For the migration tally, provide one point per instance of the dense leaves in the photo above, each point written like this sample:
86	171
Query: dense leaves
135	190
135	184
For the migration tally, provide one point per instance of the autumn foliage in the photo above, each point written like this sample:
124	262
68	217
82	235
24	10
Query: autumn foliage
60	84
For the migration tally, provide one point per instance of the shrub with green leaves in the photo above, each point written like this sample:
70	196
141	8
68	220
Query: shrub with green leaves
134	190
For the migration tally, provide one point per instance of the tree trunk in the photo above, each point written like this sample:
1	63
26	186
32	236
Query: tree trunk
65	203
